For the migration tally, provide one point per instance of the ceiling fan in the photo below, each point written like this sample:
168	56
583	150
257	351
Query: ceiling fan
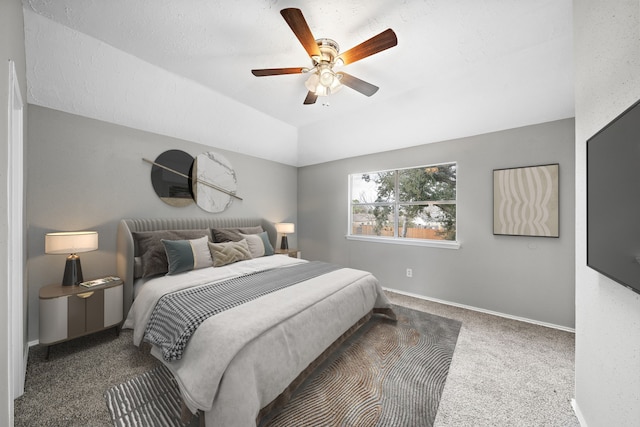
325	56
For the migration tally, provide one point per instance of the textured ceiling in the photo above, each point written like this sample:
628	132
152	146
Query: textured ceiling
182	68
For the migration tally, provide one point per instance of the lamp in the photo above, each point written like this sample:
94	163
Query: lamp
285	228
72	242
324	81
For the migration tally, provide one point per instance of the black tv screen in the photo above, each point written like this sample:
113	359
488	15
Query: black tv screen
613	199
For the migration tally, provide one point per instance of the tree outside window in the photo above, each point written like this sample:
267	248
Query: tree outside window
413	203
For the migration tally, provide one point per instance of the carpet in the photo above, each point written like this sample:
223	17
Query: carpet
148	400
386	374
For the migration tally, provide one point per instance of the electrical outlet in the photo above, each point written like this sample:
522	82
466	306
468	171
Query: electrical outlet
409	272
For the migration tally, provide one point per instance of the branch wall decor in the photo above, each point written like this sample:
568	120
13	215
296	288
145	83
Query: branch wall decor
171	177
178	179
214	182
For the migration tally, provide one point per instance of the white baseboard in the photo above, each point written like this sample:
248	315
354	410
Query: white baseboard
576	410
33	343
482	310
23	372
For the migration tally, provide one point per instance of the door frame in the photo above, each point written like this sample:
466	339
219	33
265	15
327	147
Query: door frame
18	350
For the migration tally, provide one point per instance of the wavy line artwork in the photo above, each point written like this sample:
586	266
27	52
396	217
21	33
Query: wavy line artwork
525	201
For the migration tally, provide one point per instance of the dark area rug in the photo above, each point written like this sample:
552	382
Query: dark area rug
386	374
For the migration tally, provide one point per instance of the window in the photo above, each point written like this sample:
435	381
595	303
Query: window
410	205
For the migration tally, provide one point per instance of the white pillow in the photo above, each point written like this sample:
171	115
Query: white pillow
259	244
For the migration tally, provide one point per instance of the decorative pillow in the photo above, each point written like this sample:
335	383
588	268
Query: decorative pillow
221	235
229	252
137	267
259	244
186	255
151	249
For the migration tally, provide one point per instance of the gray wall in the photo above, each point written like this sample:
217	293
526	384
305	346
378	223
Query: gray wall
11	48
85	174
607	82
526	277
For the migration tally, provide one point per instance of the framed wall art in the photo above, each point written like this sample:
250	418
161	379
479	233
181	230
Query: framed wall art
208	179
525	201
170	178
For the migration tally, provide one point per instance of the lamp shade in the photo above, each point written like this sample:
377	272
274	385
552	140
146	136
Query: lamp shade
285	227
324	82
71	242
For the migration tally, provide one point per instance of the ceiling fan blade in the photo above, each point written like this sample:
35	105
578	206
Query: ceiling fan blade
357	84
310	99
375	44
276	71
299	26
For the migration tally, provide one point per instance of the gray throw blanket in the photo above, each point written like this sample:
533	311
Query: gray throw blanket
177	315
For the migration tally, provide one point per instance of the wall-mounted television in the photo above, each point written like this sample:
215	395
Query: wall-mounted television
613	199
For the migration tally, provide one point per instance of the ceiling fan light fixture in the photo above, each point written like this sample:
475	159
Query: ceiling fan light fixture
322	91
324	82
312	82
336	85
327	76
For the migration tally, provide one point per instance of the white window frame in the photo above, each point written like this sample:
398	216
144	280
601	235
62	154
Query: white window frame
445	244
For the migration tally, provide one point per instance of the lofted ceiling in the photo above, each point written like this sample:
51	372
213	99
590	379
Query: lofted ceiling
182	68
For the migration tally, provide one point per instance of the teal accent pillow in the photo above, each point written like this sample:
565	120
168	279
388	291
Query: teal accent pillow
187	255
268	249
259	244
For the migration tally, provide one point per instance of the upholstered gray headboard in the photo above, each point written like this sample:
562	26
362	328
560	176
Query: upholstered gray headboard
126	247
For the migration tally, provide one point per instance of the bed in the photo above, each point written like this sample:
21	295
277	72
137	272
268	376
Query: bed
240	363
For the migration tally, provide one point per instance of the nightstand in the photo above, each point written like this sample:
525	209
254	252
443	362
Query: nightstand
293	253
68	312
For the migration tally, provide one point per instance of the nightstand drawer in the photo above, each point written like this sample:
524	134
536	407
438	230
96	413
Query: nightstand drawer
113	310
68	312
53	325
85	313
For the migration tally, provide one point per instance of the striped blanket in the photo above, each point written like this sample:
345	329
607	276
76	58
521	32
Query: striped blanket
177	315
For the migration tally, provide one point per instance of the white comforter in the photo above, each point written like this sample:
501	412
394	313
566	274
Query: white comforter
240	360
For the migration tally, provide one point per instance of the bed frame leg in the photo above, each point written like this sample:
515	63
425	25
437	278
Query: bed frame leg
185	414
387	312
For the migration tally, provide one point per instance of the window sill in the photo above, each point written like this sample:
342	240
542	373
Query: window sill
443	244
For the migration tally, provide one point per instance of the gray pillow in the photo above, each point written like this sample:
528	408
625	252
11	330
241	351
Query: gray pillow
151	249
232	234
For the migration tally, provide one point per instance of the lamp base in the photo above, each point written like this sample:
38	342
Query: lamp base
285	243
72	271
